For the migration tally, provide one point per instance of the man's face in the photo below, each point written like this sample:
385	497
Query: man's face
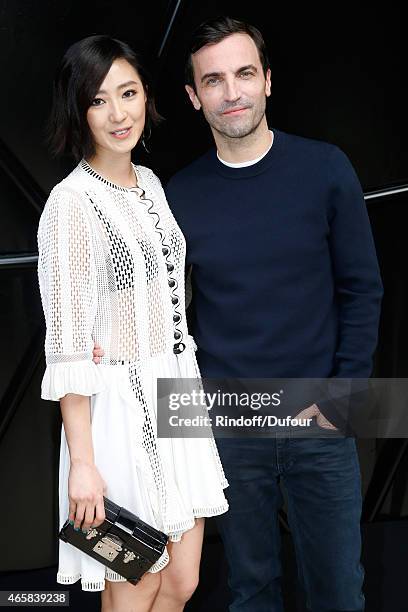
230	84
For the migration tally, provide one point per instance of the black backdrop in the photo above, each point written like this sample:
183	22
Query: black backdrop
338	74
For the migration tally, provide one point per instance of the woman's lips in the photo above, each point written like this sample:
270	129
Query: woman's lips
121	134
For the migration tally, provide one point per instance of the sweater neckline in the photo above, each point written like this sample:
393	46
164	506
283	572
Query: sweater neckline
261	166
92	172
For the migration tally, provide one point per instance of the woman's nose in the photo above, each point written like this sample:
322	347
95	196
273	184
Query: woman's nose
118	113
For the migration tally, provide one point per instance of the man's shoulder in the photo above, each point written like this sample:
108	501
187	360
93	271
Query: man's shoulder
318	159
309	146
195	170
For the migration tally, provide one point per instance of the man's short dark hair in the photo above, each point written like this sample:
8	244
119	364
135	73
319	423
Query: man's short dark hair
214	31
82	70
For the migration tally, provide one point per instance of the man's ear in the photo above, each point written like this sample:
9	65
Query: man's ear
268	83
193	97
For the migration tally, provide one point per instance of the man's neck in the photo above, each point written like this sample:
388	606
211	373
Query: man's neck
238	150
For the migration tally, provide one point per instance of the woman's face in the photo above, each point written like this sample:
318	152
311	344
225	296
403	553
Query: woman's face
116	116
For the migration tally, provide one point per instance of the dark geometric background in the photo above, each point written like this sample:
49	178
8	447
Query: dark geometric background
338	74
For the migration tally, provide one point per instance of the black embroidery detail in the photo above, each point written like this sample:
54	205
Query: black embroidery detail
172	282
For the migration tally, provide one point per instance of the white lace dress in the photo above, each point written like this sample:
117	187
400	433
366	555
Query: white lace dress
111	270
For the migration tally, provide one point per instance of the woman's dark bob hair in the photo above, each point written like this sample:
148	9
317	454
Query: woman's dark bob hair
82	70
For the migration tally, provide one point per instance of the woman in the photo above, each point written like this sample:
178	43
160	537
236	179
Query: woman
111	270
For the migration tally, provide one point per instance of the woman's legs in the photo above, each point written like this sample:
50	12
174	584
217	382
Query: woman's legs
165	591
179	578
126	597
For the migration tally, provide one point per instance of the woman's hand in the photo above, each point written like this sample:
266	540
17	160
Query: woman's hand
97	353
86	488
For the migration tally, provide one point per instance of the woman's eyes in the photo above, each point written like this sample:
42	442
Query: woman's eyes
129	93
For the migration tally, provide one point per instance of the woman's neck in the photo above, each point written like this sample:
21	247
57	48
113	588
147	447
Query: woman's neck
117	169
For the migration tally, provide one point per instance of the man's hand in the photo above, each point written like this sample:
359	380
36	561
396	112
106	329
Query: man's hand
321	420
97	352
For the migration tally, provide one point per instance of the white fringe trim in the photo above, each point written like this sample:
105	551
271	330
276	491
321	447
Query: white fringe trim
198	512
67	579
176	530
113	576
207	511
160	563
87	585
93	585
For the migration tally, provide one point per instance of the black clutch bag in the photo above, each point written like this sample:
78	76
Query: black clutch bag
123	542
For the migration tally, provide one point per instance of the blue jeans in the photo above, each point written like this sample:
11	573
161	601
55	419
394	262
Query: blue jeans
321	477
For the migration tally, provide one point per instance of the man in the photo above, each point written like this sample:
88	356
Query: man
285	284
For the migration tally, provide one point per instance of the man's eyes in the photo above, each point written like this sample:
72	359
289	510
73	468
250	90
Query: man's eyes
214	80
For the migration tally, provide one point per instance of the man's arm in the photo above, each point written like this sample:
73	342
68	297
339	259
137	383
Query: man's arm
356	272
358	287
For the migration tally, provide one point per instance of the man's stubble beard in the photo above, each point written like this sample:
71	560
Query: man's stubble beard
241	130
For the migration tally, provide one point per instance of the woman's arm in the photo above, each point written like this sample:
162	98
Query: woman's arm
68	285
67	277
85	485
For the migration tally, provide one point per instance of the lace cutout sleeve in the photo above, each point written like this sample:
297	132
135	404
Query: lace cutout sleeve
67	279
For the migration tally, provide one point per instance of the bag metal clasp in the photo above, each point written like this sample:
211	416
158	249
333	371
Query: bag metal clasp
108	547
129	556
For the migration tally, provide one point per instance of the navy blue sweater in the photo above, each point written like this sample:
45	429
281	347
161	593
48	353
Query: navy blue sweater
285	276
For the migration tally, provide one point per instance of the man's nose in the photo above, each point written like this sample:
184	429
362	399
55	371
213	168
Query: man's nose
117	112
231	90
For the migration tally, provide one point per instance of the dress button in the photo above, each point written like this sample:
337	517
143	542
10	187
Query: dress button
170	267
174	301
177	335
165	251
179	348
177	318
172	283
